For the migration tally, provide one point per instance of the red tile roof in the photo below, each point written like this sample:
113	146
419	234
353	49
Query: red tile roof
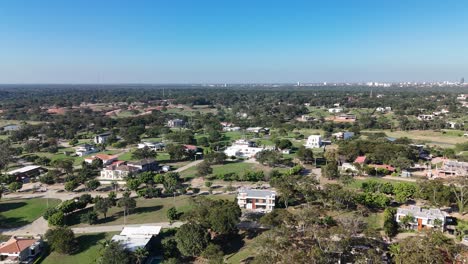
190	147
360	159
383	166
105	156
16	245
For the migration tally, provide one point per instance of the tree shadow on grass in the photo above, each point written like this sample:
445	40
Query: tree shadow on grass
140	210
7	206
230	243
87	241
12	222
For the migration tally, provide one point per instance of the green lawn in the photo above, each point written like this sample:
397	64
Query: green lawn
443	138
230	167
89	246
356	184
147	211
20	212
161	156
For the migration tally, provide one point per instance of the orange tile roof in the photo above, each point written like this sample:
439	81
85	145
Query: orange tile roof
384	166
360	159
14	245
105	156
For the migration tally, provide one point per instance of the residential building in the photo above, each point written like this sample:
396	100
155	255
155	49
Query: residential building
244	149
21	250
231	129
144	165
452	124
175	123
425	117
257	200
257	130
133	237
116	172
453	168
314	141
85	149
27	172
102	138
383	167
423	218
106	159
157	146
348	167
335	110
361	160
343	135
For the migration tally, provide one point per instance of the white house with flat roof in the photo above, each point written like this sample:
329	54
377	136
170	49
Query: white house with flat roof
133	237
257	200
314	141
244	149
423	218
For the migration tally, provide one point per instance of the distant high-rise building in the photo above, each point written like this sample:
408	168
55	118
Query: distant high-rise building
462	81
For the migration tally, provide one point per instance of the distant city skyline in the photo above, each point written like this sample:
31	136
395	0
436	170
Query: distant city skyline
208	41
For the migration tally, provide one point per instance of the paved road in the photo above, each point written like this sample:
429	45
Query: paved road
116	228
40	226
188	166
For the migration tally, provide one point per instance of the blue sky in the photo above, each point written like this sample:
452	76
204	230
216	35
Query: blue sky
198	41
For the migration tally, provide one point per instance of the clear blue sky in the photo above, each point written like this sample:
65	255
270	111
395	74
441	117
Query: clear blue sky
173	41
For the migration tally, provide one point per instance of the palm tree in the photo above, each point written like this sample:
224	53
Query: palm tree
140	254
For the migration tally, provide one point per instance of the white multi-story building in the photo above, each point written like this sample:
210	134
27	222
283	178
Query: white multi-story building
314	141
176	123
116	172
423	218
101	138
243	149
257	200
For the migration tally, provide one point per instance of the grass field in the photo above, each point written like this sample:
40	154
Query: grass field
147	211
230	167
20	212
444	138
356	184
88	252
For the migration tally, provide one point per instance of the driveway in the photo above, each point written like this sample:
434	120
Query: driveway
188	166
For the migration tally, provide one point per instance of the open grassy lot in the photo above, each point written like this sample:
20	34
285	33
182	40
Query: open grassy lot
161	156
147	211
88	252
229	167
190	111
357	183
443	138
20	212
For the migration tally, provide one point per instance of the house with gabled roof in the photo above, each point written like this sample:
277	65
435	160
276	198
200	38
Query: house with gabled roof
21	250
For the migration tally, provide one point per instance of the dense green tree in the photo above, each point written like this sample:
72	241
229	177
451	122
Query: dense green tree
204	169
62	240
102	206
144	153
57	219
192	239
114	253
